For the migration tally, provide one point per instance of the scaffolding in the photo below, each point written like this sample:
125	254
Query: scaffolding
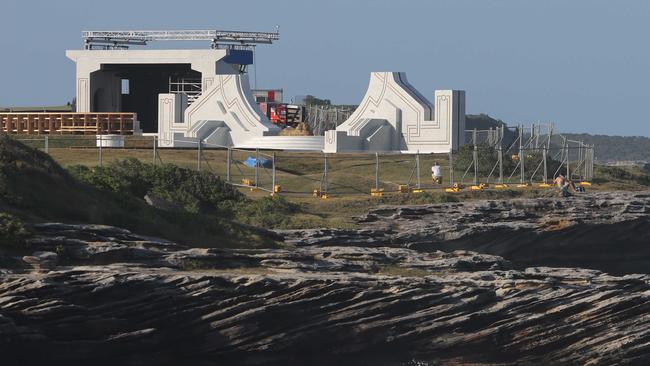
122	39
188	86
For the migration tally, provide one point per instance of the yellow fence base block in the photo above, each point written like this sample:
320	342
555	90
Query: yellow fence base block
545	185
500	186
376	192
324	196
247	182
452	190
475	188
525	185
404	188
588	184
277	188
416	190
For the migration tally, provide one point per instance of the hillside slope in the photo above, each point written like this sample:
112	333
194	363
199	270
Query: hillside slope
616	148
35	188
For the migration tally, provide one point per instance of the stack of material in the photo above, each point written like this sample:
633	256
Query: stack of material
301	129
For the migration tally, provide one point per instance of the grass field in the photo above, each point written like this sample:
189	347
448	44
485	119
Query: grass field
350	176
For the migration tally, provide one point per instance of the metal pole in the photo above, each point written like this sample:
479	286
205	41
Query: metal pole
47	144
376	171
521	154
257	167
523	166
229	157
586	155
198	156
568	170
273	174
154	148
417	168
591	162
544	154
451	167
101	158
500	164
475	156
325	183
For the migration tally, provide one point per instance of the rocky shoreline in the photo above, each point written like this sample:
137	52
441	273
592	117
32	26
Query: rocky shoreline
609	231
387	295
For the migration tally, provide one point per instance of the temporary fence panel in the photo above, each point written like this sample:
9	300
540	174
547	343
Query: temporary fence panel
525	160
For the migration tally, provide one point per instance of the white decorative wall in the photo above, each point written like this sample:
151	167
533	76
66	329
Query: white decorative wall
392	106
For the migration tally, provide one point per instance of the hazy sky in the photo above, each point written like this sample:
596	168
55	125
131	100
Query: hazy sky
583	64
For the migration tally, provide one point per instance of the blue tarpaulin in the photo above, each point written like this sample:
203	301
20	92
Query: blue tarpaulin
251	162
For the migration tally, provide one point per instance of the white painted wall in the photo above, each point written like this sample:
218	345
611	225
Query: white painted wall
415	124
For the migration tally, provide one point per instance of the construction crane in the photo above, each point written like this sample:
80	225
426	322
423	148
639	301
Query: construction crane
109	40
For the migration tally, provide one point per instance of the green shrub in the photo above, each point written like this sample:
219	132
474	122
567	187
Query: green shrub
12	230
196	192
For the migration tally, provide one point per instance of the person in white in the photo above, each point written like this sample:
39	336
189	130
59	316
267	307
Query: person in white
436	173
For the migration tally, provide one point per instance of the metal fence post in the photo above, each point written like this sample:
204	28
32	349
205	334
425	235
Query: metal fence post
229	157
198	156
155	153
101	158
273	174
451	167
523	166
568	170
47	144
590	176
544	154
521	154
475	158
376	171
500	164
257	167
586	158
417	169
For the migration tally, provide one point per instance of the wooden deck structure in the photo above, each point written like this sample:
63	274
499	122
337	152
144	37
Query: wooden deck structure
69	123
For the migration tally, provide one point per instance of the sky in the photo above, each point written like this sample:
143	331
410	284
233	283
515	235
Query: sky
582	64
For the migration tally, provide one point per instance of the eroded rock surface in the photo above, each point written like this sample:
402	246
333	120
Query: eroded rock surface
127	299
607	231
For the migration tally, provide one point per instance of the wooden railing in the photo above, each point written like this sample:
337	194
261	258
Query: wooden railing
69	123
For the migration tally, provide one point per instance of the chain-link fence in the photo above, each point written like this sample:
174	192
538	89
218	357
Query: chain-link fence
321	174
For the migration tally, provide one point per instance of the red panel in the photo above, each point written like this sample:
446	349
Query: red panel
271	96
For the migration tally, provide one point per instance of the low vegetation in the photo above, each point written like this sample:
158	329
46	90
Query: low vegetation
621	178
201	209
34	188
12	231
201	193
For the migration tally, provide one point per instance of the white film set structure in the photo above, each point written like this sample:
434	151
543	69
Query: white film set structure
184	96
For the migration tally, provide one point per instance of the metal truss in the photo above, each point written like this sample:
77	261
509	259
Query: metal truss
124	39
